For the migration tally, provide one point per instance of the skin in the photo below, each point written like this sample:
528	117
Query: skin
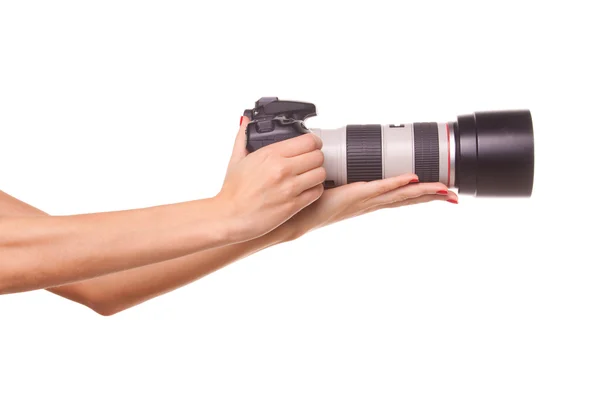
72	259
261	191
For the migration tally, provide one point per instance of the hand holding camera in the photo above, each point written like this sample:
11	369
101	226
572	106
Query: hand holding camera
264	189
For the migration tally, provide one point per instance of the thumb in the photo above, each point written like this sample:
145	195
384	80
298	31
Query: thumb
239	147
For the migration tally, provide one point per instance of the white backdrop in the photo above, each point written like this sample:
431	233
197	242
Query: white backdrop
123	104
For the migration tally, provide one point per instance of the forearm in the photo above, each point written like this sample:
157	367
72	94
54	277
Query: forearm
49	251
110	294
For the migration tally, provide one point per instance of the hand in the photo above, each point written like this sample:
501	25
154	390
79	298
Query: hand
264	189
363	197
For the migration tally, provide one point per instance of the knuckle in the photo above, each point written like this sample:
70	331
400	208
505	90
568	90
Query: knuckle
313	141
289	191
279	172
420	188
318	141
320	157
321	174
285	169
384	187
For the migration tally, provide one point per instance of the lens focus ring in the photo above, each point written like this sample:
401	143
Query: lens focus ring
363	153
427	151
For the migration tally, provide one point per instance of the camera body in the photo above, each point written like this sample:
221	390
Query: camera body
273	120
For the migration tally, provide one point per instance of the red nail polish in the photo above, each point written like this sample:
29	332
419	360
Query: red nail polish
241	120
414	181
452	201
442	192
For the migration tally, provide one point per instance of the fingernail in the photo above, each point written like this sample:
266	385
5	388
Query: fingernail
416	180
452	201
241	120
442	192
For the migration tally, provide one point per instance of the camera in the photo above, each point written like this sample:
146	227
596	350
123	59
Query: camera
489	153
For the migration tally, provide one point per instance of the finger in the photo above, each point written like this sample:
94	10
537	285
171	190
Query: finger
298	145
417	200
309	179
239	147
306	162
367	190
451	197
309	196
408	192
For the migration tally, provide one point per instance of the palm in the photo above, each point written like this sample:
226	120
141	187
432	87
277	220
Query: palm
359	198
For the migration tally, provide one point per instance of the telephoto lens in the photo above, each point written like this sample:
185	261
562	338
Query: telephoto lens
482	154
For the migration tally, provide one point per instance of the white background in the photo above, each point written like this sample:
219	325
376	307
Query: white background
122	104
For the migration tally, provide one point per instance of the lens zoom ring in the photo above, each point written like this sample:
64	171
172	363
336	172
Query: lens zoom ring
363	153
427	151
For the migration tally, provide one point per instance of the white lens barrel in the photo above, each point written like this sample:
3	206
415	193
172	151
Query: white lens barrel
334	149
433	158
398	149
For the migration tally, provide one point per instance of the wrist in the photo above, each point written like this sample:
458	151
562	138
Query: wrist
230	223
221	217
231	228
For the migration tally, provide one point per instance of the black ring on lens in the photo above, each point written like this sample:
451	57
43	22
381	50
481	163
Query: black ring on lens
363	153
427	151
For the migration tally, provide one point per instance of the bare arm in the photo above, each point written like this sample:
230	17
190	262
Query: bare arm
112	293
260	192
115	292
46	251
